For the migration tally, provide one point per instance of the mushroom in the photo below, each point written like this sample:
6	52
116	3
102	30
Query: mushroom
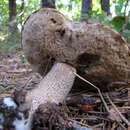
45	57
97	51
54	44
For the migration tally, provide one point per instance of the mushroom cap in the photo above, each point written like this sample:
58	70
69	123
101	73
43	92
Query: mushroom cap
42	43
98	52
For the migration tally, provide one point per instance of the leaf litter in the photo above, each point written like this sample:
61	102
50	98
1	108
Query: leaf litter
84	109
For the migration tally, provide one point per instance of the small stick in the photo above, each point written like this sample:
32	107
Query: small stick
98	125
114	106
27	82
105	104
101	97
80	123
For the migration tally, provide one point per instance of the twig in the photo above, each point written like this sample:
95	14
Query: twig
124	107
80	123
114	106
121	125
21	13
98	113
27	82
105	104
102	124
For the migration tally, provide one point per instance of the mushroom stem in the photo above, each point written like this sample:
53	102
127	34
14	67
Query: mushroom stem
54	87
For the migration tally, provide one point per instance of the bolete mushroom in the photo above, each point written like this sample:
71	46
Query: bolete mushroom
57	83
97	52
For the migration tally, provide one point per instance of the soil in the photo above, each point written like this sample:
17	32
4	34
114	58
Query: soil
84	109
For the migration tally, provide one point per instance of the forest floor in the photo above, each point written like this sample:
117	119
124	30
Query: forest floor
15	73
85	108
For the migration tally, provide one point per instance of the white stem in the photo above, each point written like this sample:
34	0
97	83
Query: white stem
54	87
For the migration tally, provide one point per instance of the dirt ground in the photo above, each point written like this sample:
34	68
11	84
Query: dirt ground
85	108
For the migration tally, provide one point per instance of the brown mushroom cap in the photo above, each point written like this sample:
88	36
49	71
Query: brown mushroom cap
98	52
42	43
